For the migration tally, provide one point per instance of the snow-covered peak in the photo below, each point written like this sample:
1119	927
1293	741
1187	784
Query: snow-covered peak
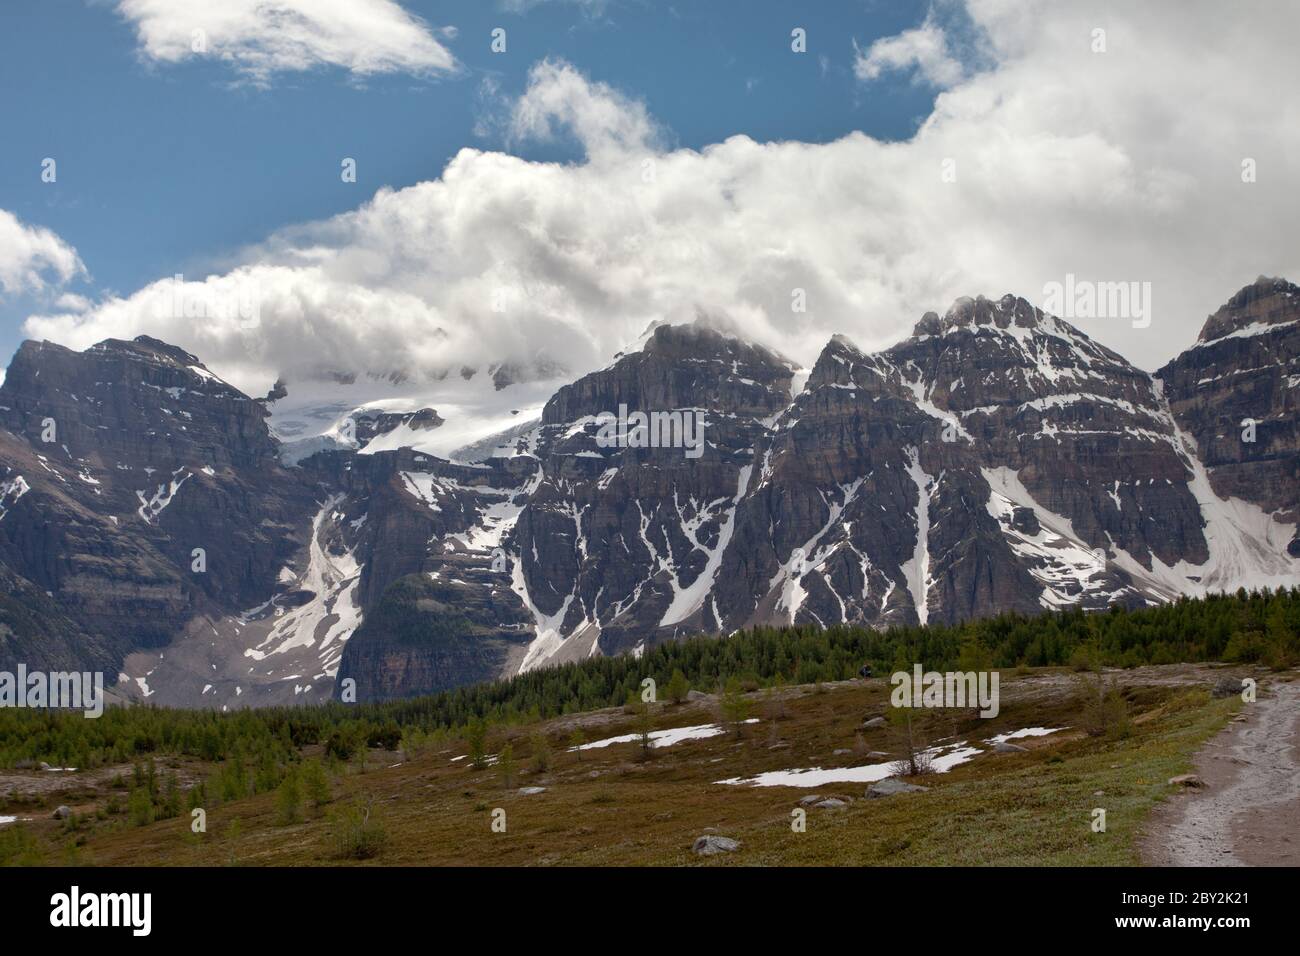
317	415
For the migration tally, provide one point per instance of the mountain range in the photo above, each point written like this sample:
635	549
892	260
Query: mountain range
213	549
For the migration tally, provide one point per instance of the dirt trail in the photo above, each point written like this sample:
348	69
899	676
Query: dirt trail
1248	814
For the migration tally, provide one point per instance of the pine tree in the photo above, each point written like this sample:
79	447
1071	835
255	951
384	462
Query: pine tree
476	739
315	784
735	706
288	799
506	765
678	687
577	740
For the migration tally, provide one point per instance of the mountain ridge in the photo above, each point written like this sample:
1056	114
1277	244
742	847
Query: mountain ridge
996	459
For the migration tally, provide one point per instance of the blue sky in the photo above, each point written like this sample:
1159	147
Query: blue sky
170	168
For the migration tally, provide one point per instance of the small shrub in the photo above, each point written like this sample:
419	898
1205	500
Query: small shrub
506	765
541	759
18	847
357	831
340	745
678	687
288	800
1105	712
140	807
576	741
315	784
735	706
476	740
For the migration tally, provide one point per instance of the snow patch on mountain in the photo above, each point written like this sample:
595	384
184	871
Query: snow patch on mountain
150	508
10	492
327	620
916	569
686	601
321	415
1248	547
1055	556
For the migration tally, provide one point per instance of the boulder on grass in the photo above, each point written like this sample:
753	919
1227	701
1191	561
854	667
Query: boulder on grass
708	845
1227	687
62	812
892	785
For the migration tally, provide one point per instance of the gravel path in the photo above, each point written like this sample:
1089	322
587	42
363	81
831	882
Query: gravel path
1248	814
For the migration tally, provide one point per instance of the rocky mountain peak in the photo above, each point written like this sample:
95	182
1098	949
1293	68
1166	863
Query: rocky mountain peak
703	339
842	363
1266	301
681	366
930	324
1008	311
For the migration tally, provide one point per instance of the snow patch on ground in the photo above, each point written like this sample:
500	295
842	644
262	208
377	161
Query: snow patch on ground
1025	732
942	759
662	738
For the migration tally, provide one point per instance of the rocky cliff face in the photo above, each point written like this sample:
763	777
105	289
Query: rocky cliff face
102	443
1236	395
997	459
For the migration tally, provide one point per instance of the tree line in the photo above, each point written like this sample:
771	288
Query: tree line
1261	626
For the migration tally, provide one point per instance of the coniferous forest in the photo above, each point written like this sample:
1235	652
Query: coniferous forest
1244	627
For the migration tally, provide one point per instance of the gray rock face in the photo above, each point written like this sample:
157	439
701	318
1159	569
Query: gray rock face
998	459
1067	433
116	464
892	786
710	845
1236	394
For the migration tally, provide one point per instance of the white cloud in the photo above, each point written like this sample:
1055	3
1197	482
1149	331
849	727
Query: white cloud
925	48
603	120
261	37
31	257
1123	166
591	7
